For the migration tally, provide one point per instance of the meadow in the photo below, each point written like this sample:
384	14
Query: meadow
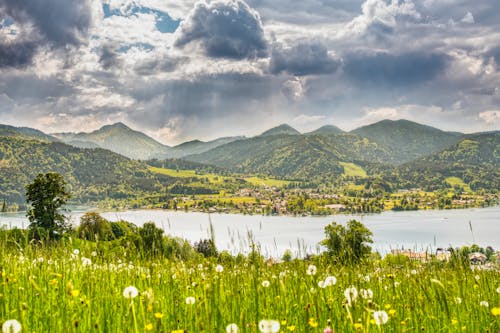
82	286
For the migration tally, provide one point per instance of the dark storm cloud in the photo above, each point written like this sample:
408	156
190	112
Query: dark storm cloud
495	54
108	57
306	58
163	64
57	23
29	88
394	70
224	29
17	55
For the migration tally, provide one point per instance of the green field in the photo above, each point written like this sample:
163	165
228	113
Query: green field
455	181
353	170
213	178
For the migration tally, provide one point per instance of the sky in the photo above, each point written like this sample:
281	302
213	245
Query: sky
181	69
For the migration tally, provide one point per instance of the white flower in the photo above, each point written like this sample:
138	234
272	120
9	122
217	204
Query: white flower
477	277
366	293
367	278
232	328
458	300
413	271
76	252
219	268
190	300
484	303
265	283
311	270
11	326
86	262
269	326
94	254
321	284
380	317
330	281
130	292
351	294
498	290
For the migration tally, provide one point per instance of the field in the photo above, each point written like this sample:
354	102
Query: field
79	287
353	170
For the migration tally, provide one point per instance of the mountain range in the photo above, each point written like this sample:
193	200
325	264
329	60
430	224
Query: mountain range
403	153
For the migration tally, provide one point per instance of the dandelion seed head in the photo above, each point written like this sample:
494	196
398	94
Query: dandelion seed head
366	293
11	326
330	281
190	300
269	326
232	328
266	283
484	303
219	268
380	317
76	252
130	292
351	294
311	270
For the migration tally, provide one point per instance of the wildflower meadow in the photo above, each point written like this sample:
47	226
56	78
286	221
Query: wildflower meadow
76	286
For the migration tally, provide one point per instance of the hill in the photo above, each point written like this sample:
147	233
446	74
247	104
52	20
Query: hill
473	161
120	139
92	174
326	130
293	156
197	147
25	133
282	129
408	140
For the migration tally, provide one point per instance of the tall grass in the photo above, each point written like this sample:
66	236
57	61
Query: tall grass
74	286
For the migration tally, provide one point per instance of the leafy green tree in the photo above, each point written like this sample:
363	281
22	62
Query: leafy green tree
152	238
45	196
347	244
95	227
4	206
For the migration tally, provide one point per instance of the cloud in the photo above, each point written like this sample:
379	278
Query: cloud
56	23
491	117
224	29
108	57
468	18
382	16
402	70
17	55
293	90
305	58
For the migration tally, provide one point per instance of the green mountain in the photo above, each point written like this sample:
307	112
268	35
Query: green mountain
294	156
25	133
282	129
197	147
118	138
326	130
408	140
92	174
474	161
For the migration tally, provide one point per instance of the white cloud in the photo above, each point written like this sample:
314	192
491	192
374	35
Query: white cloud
468	18
491	117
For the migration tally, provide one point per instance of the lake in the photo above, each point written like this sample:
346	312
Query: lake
417	230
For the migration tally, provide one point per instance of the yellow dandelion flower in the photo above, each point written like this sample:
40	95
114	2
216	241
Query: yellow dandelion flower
53	282
403	322
159	315
150	308
495	311
454	321
358	326
313	323
148	327
75	292
291	328
178	331
387	306
392	312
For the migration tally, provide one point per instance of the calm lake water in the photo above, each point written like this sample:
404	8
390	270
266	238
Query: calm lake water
417	230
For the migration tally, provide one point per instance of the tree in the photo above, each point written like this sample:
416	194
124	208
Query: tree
347	245
95	227
45	196
4	206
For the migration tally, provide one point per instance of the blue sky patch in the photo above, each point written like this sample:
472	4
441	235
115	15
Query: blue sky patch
6	22
164	23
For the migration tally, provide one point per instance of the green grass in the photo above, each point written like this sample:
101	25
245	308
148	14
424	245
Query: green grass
50	289
353	170
270	182
455	181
